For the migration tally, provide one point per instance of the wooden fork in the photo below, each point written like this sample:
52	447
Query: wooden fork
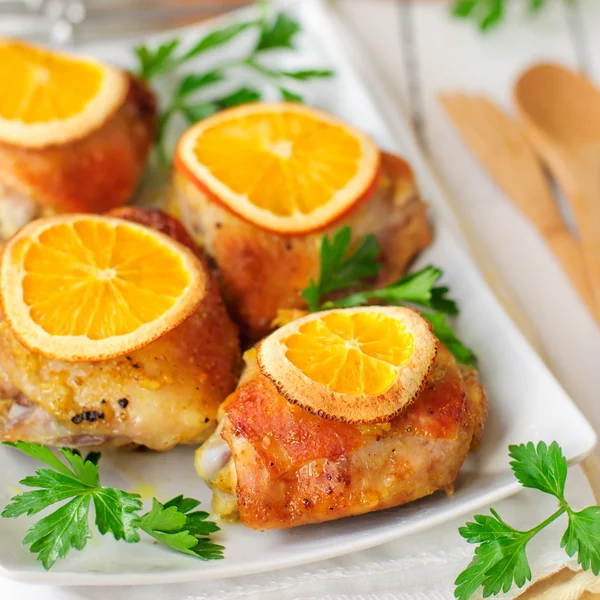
499	143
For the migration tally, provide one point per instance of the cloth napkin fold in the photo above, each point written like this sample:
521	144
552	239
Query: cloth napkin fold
418	567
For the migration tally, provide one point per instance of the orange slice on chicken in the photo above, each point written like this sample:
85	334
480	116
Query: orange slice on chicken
90	287
360	365
283	167
51	98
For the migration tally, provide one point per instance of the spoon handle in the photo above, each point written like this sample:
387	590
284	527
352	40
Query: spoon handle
502	148
583	190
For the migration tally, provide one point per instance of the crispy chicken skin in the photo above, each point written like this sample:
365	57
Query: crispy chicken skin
164	394
289	467
262	271
91	174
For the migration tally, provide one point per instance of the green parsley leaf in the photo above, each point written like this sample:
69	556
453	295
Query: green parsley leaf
154	62
68	527
86	471
241	96
496	566
486	13
489	13
444	332
55	487
583	537
308	74
196	112
289	95
216	38
500	560
65	529
341	269
278	35
41	453
492	15
415	288
463	8
199	525
115	513
53	536
471	579
486	528
541	468
161	518
510	565
536	5
194	81
172	527
201	110
184	505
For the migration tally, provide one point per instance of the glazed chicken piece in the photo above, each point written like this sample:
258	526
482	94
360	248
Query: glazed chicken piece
262	272
164	394
279	466
90	174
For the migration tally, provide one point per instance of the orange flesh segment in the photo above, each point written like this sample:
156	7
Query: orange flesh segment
94	279
284	163
38	86
351	353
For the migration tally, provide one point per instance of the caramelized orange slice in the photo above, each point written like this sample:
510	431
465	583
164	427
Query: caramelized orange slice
89	287
356	365
52	98
284	167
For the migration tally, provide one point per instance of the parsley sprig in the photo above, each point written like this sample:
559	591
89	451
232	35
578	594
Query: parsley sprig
489	13
77	481
270	34
500	559
343	268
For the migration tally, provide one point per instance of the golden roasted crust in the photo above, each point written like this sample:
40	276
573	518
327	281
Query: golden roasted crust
262	272
298	388
91	174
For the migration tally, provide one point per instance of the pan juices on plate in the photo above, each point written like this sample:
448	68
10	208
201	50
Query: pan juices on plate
261	184
112	332
340	413
75	134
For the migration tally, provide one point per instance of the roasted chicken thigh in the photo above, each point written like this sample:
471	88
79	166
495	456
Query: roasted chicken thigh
93	173
262	271
163	394
277	466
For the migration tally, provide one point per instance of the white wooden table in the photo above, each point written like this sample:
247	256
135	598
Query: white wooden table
419	51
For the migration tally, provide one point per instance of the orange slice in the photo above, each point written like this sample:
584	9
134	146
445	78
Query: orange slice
89	287
284	167
51	98
360	365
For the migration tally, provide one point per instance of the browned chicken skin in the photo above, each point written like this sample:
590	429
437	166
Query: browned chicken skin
289	467
91	174
262	271
164	394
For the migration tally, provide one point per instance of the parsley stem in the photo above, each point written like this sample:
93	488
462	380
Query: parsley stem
533	531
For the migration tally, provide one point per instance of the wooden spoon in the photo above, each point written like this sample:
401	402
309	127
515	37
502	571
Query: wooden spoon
560	111
499	143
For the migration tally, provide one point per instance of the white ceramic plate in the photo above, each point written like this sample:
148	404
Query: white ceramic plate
526	402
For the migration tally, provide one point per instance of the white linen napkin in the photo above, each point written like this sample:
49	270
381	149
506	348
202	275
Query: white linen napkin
418	567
